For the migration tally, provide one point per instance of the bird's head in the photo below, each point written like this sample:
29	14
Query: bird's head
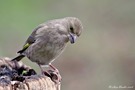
74	28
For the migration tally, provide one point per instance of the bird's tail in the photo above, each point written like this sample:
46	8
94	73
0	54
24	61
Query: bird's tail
18	58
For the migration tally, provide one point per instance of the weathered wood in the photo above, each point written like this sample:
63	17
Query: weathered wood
33	82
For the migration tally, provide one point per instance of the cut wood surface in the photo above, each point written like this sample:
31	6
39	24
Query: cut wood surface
8	81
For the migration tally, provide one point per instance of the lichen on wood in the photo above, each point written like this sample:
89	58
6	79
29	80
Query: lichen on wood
18	76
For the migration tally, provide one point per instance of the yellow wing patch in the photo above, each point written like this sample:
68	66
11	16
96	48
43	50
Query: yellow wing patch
26	45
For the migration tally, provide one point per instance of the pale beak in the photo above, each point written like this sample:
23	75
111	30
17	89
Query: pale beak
72	38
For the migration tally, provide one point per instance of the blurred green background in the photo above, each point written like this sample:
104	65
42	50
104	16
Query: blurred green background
103	56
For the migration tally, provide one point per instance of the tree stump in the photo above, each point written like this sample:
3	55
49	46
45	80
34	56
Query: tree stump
22	77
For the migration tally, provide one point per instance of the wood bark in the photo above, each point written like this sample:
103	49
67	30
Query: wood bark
33	82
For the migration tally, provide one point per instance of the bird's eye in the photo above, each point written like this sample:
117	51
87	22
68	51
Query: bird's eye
71	29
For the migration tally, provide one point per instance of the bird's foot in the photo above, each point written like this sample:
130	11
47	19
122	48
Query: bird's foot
54	75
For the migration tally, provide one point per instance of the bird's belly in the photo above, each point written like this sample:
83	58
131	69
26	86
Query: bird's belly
45	54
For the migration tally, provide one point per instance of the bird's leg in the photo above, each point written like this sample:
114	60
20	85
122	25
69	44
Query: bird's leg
55	75
54	68
44	72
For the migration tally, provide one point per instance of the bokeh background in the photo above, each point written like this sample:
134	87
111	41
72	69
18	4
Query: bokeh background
102	58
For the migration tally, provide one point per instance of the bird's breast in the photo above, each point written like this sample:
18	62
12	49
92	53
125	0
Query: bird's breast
44	53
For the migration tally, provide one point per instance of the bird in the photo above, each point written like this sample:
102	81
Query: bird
48	40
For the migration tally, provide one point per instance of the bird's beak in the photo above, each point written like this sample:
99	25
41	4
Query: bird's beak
72	38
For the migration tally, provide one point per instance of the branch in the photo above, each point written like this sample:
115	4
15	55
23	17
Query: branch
22	77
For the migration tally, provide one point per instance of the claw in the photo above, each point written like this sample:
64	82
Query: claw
55	76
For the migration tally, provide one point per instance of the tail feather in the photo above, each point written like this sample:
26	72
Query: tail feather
18	58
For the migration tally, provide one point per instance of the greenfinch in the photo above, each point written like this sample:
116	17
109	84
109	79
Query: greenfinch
49	39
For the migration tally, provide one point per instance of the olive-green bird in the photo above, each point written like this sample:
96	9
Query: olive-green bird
49	39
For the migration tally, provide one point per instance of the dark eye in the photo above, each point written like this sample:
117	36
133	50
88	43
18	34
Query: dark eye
71	29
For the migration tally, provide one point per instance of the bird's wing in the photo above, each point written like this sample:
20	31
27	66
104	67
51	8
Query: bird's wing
30	40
